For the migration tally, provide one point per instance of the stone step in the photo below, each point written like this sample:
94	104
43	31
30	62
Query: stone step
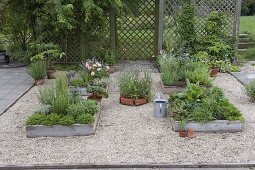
244	40
245	45
243	36
242	50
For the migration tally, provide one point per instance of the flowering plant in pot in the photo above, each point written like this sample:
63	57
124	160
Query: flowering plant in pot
135	88
95	69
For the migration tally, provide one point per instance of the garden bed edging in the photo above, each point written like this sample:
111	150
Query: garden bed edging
171	89
34	131
212	126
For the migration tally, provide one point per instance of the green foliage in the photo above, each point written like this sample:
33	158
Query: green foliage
200	56
35	119
202	105
67	120
170	70
134	85
44	109
83	108
110	59
250	89
38	70
198	72
60	104
186	24
214	26
84	119
248	8
98	91
249	54
79	83
46	95
44	119
202	114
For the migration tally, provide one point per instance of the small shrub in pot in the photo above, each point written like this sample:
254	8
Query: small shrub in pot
38	71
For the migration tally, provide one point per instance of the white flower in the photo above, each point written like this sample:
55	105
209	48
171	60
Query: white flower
89	67
99	69
94	65
93	73
99	65
107	67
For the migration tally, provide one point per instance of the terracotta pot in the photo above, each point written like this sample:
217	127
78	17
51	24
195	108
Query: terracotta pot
214	71
191	133
139	102
40	82
111	69
51	74
182	133
95	97
126	101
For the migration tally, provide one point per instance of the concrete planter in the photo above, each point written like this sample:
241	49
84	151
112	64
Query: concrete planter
35	131
171	89
213	126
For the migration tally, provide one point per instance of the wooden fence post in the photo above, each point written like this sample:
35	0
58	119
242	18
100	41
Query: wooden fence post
113	30
159	13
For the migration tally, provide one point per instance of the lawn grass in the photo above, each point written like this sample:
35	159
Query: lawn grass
247	24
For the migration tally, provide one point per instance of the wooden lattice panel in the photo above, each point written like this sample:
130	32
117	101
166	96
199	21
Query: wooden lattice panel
136	33
202	9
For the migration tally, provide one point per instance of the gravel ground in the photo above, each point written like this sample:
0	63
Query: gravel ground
128	135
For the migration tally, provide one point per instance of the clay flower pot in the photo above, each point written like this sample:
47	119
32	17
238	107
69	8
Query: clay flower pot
139	102
126	101
183	133
214	71
111	69
40	82
51	74
95	97
191	133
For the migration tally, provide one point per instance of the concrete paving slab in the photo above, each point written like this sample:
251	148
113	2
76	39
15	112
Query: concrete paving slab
13	84
244	77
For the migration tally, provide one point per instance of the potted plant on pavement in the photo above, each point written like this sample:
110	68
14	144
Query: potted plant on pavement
49	53
38	71
97	93
111	61
135	88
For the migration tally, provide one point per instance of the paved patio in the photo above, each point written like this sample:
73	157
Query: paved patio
13	84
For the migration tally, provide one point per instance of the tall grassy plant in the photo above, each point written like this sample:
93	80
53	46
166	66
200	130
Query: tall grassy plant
38	70
170	68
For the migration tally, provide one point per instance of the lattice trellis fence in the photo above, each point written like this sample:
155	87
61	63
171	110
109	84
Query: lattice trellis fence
136	32
231	8
141	35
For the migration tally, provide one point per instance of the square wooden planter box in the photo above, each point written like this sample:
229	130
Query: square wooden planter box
171	89
213	126
35	131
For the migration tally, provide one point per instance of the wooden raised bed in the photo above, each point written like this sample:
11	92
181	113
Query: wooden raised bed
172	89
212	126
35	131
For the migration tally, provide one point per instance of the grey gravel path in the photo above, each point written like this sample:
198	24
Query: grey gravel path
13	84
128	135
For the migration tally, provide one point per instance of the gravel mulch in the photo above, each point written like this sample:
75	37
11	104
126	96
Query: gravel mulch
128	135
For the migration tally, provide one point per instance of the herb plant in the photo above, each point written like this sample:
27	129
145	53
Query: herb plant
135	85
38	70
